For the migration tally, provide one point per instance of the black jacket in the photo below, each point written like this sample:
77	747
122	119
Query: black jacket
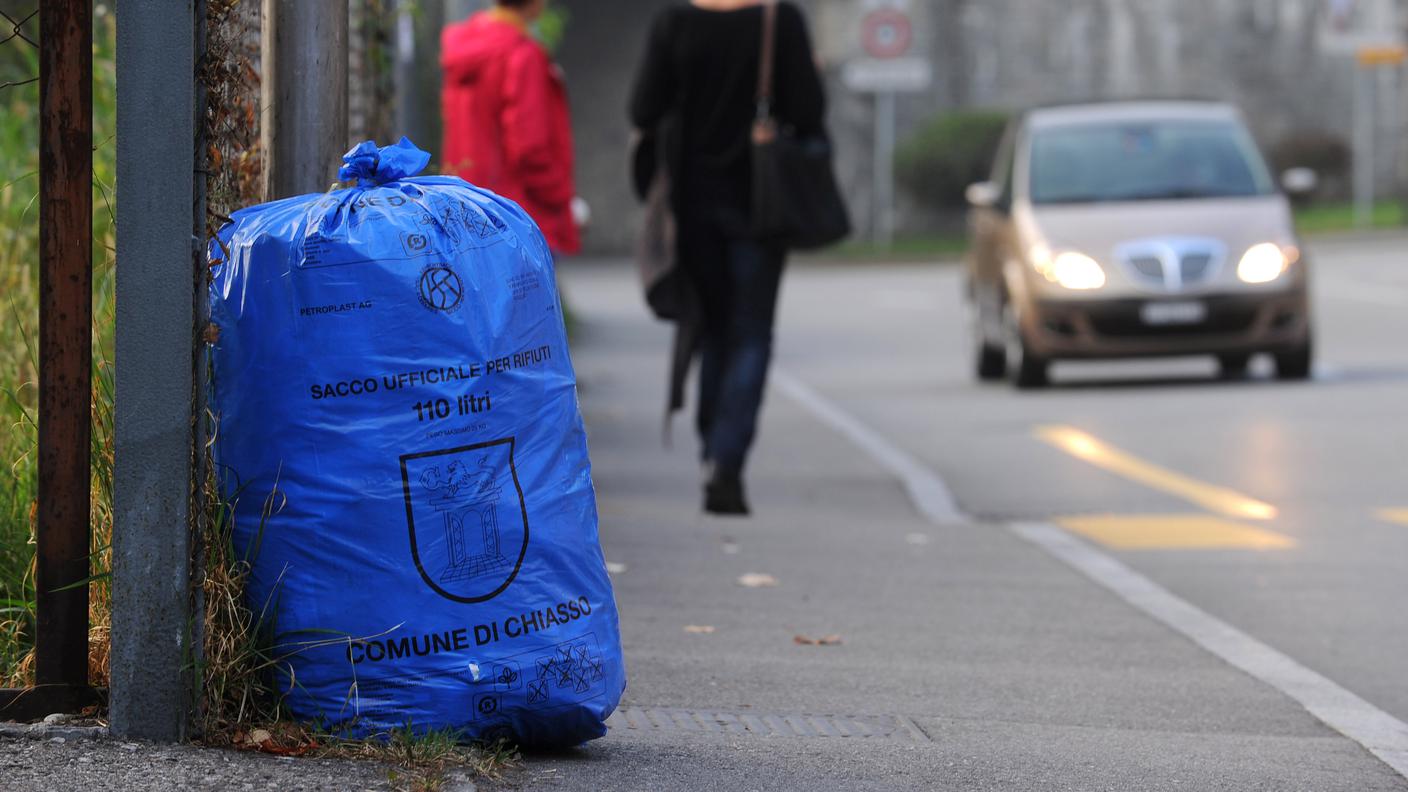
700	71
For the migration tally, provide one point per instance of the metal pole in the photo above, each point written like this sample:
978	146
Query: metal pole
405	68
883	223
65	339
1363	147
426	129
304	95
1386	86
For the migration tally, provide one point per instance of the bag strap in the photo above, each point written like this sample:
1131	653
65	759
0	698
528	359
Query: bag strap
767	56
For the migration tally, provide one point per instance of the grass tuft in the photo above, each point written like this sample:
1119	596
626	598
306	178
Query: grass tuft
424	761
237	687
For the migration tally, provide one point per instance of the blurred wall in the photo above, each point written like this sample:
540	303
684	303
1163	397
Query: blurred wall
1264	55
598	55
604	42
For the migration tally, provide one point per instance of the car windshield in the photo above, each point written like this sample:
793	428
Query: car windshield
1145	161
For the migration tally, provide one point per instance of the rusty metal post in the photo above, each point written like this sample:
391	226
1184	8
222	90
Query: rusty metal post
65	338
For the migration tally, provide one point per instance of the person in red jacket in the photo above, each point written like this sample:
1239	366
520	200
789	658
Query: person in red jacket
507	127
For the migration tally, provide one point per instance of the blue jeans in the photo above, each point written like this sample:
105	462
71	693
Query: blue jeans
739	296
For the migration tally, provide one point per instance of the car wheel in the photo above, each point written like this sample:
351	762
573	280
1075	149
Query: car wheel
1233	367
1294	363
1026	369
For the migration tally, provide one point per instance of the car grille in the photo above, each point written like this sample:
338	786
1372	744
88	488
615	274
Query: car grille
1196	266
1148	266
1171	264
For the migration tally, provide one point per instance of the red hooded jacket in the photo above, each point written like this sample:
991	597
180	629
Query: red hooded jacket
507	127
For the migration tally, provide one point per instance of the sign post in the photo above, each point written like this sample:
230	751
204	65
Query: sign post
1368	32
886	68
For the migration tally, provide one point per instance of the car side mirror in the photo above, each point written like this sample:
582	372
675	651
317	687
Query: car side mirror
1299	182
983	195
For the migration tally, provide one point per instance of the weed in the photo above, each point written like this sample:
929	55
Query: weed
237	688
421	761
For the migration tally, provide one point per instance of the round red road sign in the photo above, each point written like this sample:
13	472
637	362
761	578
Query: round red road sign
886	33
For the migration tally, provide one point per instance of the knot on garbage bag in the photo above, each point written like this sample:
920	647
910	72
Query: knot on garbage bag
372	166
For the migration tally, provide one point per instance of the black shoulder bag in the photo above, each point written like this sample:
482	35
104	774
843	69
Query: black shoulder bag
665	284
795	199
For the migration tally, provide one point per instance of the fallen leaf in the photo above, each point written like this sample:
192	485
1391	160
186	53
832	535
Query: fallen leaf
290	741
270	747
825	640
757	580
699	629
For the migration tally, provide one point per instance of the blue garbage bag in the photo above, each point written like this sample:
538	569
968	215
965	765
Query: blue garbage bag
400	437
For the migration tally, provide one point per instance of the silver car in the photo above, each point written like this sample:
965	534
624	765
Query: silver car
1131	229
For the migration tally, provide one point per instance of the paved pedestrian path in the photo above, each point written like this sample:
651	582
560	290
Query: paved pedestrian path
967	657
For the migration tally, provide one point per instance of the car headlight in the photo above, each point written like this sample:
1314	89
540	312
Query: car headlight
1070	269
1266	262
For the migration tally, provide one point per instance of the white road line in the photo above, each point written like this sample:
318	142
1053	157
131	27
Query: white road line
1377	731
1382	734
931	496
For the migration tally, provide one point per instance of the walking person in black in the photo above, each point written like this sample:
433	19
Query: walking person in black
700	74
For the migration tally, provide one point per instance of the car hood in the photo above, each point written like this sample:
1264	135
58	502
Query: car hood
1098	229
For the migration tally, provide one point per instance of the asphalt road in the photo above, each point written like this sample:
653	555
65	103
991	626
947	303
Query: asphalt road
1329	456
1259	514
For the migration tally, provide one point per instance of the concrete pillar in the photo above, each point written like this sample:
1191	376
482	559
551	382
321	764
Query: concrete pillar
152	692
303	126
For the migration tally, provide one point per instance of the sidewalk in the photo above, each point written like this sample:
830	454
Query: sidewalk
969	659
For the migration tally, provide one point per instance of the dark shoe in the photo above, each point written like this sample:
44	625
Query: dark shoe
723	494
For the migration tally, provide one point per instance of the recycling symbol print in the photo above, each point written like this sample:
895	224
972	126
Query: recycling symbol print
570	672
440	289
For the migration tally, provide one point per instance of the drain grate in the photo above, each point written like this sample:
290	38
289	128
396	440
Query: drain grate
761	724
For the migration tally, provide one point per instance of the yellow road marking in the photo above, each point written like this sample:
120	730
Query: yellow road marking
1173	532
1399	516
1210	496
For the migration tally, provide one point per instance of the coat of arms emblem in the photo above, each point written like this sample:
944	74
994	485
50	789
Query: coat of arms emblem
467	519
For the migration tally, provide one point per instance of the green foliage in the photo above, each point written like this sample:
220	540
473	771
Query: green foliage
948	153
19	286
552	26
19	318
1327	218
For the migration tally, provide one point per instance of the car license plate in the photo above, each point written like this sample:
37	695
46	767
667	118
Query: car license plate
1173	313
